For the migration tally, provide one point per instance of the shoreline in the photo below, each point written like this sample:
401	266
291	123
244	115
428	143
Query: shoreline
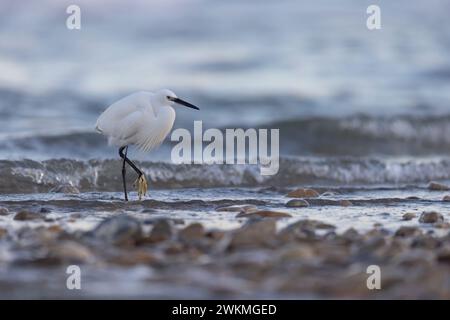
227	243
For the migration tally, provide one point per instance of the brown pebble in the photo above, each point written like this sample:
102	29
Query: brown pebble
446	198
215	234
442	225
345	203
27	215
302	229
55	228
297	203
431	217
71	251
443	254
264	214
435	186
3	232
254	233
303	193
238	208
192	232
407	231
408	216
162	230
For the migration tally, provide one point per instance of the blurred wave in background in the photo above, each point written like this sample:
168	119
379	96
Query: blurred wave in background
310	68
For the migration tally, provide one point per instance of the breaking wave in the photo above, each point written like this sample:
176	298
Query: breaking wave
26	176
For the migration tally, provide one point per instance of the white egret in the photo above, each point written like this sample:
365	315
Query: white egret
143	119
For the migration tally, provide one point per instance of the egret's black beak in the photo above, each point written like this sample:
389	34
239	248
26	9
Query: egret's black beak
184	103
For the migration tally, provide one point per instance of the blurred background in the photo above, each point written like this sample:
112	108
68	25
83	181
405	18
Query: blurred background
310	68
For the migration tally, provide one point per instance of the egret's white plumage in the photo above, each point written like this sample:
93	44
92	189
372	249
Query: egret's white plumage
143	119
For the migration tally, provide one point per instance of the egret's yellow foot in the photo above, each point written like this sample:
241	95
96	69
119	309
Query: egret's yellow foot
142	186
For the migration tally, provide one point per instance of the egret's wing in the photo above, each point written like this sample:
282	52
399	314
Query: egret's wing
128	127
132	120
110	118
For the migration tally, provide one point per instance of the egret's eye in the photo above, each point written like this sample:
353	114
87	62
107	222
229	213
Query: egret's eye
168	97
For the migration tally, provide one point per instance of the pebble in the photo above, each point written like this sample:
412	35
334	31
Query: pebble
55	228
4	211
446	198
431	217
310	224
443	254
442	225
435	186
3	232
162	231
345	203
303	229
407	231
119	230
192	232
25	215
408	216
303	193
238	208
351	235
294	203
264	214
254	233
71	252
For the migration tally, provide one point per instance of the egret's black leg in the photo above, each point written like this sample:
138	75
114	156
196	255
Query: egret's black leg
124	157
130	163
141	181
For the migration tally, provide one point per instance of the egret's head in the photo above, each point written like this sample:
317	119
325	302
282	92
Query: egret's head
167	97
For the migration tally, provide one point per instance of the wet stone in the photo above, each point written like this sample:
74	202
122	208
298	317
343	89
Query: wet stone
4	211
303	193
407	231
303	229
264	214
215	234
408	216
446	198
351	235
254	233
442	225
119	230
294	203
345	203
310	224
25	215
435	186
162	231
192	232
238	208
431	217
425	241
71	252
443	254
